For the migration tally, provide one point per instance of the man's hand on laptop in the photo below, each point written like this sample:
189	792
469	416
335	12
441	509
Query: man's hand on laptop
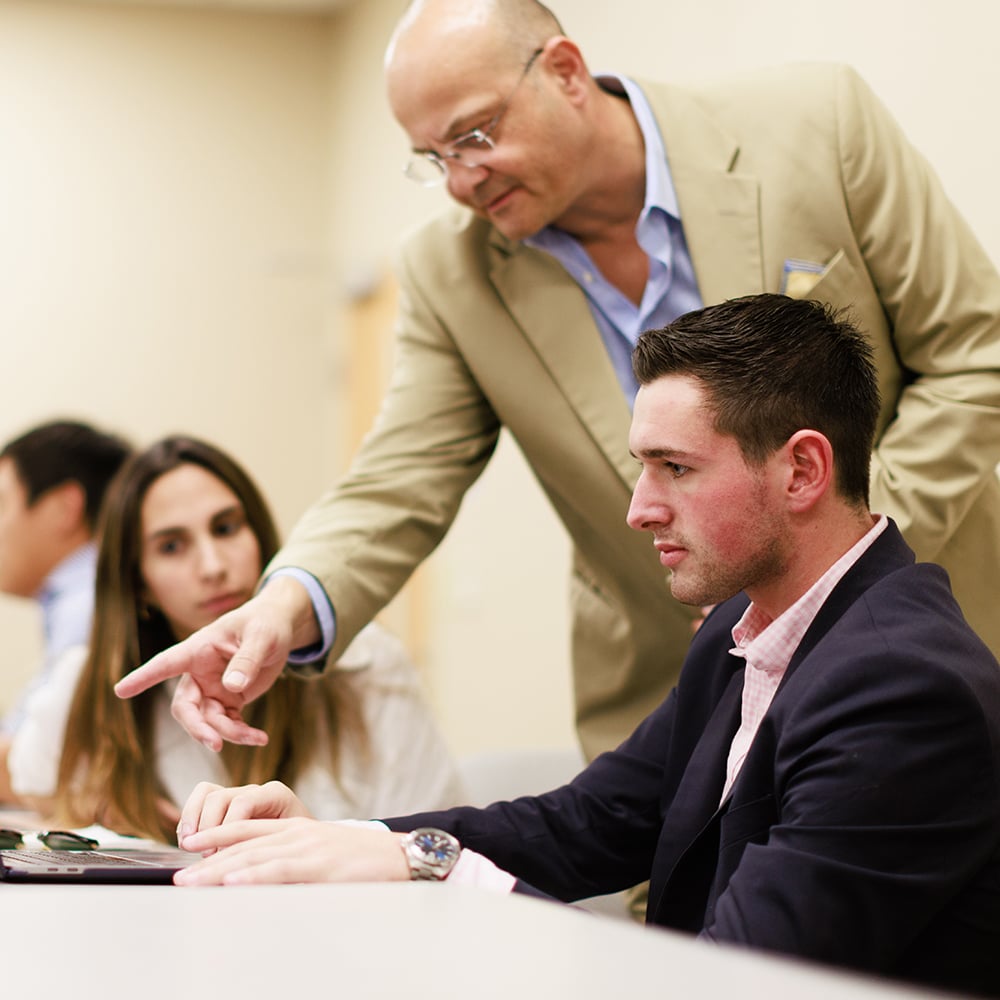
211	805
256	834
258	851
227	664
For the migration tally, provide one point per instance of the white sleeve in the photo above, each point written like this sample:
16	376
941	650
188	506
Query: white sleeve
412	768
37	745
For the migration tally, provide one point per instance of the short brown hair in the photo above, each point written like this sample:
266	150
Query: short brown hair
771	366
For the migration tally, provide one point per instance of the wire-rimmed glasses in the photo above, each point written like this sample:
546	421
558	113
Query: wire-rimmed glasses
428	168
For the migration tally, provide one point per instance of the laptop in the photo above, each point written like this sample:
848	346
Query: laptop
137	866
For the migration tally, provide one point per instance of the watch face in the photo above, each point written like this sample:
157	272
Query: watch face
434	844
431	853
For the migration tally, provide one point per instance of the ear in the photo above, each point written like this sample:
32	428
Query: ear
564	61
809	469
67	507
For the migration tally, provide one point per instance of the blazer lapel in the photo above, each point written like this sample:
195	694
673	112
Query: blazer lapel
694	810
720	208
553	315
687	859
720	213
885	555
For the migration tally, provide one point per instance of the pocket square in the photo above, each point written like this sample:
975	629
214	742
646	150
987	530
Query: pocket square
799	277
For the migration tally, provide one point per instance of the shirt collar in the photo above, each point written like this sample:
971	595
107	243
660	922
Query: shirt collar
660	193
770	644
79	564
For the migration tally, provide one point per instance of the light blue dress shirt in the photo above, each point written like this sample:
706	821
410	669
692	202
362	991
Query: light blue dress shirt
67	601
671	290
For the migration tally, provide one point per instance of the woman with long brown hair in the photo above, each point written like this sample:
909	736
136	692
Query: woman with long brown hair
184	535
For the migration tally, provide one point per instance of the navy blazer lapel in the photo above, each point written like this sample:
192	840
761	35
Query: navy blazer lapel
888	553
688	852
692	815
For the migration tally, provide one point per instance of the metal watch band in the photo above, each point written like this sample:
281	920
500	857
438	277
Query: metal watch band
431	854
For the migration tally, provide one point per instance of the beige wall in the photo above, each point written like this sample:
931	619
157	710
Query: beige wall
189	198
164	243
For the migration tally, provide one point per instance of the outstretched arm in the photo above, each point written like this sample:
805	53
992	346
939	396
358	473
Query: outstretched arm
229	663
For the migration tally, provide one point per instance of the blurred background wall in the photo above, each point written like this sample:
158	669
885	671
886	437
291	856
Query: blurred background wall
199	204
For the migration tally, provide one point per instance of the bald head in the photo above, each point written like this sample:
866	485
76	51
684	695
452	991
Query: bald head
504	71
516	25
440	44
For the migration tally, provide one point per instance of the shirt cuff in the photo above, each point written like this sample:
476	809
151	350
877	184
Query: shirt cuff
322	608
471	869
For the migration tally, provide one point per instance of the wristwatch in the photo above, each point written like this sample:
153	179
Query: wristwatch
430	853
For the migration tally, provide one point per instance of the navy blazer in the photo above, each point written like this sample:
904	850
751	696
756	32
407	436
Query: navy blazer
864	827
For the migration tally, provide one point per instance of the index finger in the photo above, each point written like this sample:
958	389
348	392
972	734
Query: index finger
215	838
169	663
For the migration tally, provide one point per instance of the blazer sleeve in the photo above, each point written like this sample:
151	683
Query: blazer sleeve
593	836
941	294
432	438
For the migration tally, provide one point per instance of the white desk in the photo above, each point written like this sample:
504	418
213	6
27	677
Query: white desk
358	941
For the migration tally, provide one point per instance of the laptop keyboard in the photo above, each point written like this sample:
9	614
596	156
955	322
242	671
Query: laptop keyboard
52	859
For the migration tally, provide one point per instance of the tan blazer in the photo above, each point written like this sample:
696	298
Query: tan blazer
794	164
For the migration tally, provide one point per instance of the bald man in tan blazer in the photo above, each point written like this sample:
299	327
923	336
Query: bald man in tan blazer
790	165
793	180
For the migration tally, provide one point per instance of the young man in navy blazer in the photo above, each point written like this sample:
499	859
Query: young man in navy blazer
824	781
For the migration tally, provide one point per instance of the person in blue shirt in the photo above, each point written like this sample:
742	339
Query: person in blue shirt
52	481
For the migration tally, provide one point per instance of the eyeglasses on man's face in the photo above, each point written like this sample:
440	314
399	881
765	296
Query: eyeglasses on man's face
428	169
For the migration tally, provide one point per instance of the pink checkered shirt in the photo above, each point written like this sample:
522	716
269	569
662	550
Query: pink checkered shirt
767	646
